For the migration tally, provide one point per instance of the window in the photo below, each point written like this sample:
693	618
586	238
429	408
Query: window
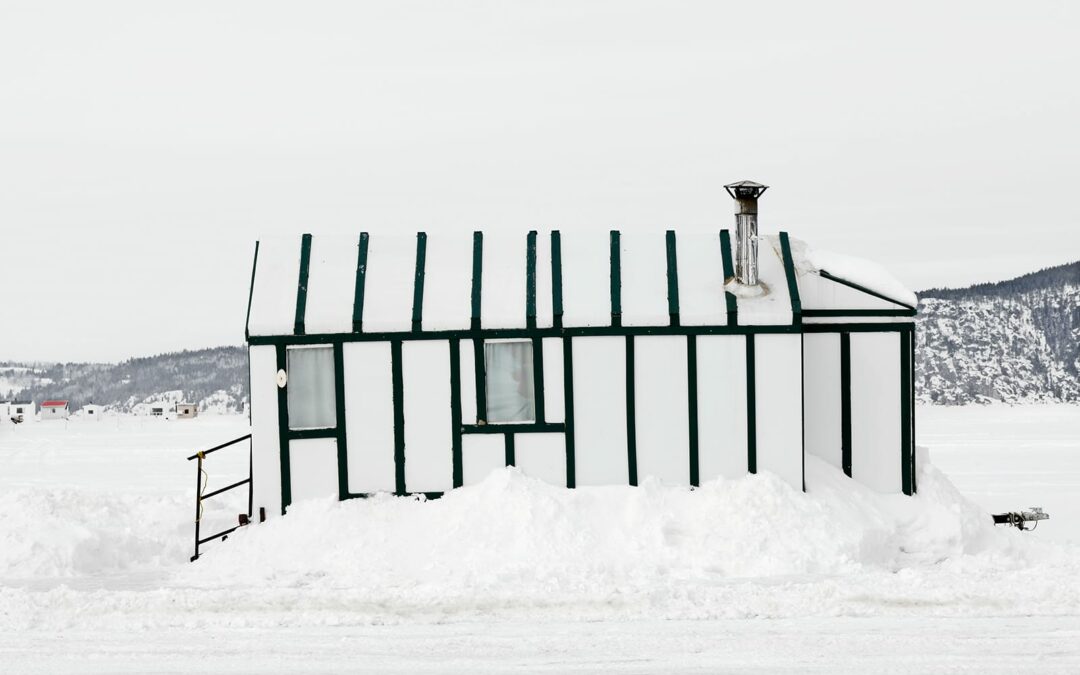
509	368
312	403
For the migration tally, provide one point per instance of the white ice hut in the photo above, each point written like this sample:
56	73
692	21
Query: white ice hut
417	364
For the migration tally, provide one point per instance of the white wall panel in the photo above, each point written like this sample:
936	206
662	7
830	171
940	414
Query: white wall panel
369	416
817	292
428	443
447	281
313	469
480	455
778	366
586	271
468	382
502	293
266	447
388	284
662	426
277	274
875	410
643	276
554	410
821	395
331	284
541	456
701	279
721	406
600	411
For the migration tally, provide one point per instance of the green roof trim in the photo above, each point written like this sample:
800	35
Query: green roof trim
302	284
361	279
672	278
418	282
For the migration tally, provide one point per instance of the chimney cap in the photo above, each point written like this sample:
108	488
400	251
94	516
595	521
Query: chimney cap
745	189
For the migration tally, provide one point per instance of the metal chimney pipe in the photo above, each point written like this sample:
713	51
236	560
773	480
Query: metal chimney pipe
746	193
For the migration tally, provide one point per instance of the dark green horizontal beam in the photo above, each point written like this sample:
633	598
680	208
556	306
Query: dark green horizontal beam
858	327
301	434
502	333
521	428
857	312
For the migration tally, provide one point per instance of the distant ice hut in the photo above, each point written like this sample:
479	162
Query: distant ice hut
417	364
55	410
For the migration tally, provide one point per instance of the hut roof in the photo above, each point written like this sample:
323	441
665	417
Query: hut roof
441	281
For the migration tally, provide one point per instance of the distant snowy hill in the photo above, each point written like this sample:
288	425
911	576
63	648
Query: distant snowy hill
214	378
1013	341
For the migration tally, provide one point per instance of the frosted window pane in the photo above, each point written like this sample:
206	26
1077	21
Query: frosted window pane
509	382
311	388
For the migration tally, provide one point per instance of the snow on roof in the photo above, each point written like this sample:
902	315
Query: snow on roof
844	268
54	404
386	282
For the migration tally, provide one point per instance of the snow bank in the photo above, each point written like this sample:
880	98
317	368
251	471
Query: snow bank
856	270
729	548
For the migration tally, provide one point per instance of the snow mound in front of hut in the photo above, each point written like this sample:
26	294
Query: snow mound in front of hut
726	549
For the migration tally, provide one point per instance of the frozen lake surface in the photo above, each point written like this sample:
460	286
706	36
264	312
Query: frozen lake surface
95	531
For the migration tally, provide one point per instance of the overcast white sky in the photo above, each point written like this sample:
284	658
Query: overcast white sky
144	146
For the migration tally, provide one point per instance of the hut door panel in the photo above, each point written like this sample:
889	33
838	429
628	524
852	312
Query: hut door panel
265	439
554	407
429	462
662	420
600	411
821	393
721	365
541	456
313	469
480	455
779	412
369	416
875	410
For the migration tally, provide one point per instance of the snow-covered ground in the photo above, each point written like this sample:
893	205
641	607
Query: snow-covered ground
95	532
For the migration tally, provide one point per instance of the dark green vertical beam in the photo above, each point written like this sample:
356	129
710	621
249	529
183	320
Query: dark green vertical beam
729	273
283	433
906	449
751	406
672	279
556	279
477	276
455	411
341	432
911	411
568	405
631	418
508	448
251	293
692	406
845	402
802	404
418	282
530	280
399	416
792	282
538	379
616	278
479	370
361	280
302	284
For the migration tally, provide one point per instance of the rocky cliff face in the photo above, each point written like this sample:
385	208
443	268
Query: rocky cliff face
1013	341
